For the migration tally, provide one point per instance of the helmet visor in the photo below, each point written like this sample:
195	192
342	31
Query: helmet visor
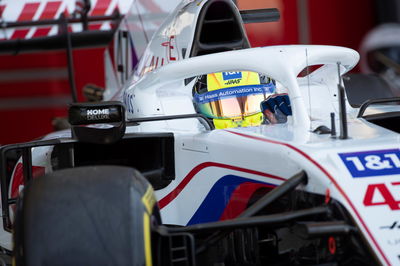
237	102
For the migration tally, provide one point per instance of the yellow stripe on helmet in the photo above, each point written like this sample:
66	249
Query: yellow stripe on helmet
222	80
248	121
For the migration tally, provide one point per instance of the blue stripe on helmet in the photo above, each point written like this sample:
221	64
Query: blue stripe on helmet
233	92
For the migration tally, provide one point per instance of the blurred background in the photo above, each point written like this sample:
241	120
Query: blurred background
52	51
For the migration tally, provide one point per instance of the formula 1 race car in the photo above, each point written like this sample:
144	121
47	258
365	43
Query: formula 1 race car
213	153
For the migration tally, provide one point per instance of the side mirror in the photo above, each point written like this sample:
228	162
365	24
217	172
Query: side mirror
102	122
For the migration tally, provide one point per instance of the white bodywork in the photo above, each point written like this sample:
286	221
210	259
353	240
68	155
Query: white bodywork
277	150
362	172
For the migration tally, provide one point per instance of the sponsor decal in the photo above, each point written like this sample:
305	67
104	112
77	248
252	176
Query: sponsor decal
97	114
383	192
372	163
232	75
394	225
128	101
156	61
233	81
172	51
235	91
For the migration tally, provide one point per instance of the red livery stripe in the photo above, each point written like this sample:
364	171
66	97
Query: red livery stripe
18	177
2	7
173	194
240	199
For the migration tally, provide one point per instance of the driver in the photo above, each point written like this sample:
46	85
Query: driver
233	99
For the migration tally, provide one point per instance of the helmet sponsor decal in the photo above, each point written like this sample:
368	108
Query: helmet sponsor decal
231	75
372	163
221	80
233	92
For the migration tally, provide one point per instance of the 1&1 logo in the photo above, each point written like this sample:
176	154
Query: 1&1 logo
372	163
232	75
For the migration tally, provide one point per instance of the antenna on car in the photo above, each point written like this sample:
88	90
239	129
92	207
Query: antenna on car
333	127
342	107
308	86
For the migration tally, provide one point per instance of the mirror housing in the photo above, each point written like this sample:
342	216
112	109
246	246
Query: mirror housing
100	122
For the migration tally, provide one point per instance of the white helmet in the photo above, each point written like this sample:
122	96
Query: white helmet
385	39
380	54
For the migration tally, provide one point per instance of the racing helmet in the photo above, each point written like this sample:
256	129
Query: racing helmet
232	99
380	53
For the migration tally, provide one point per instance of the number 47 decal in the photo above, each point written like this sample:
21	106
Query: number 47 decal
383	190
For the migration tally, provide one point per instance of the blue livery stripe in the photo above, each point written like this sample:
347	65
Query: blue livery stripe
219	196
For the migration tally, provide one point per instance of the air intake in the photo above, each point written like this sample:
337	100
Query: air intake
219	28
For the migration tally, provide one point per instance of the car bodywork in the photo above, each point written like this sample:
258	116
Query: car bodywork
347	186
